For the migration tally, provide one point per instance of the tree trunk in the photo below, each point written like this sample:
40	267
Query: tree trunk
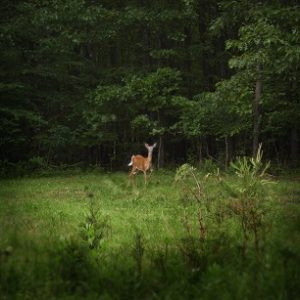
146	44
113	56
226	151
200	152
207	148
188	60
294	145
256	112
160	159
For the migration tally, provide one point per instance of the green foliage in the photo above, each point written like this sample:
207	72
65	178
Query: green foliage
250	197
84	81
251	169
150	103
96	226
37	163
209	166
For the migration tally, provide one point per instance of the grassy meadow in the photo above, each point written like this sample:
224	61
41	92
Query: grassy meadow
94	236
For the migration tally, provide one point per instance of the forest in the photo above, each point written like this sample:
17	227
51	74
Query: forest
88	82
209	90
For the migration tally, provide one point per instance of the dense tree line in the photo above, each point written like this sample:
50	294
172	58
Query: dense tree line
89	81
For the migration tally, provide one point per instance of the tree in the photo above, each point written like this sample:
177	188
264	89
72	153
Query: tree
266	49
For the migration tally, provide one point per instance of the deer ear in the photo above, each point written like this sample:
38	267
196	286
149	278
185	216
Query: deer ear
154	145
146	145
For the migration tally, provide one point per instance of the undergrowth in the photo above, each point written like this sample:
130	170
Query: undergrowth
201	236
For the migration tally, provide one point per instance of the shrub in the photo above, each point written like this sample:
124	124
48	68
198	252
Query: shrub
248	196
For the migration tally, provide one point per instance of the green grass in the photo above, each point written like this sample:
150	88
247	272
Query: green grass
149	248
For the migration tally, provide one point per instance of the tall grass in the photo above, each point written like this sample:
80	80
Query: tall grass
93	236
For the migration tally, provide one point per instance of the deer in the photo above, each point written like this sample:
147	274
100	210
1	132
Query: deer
141	163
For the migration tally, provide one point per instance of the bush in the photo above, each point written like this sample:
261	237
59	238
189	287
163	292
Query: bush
209	166
36	163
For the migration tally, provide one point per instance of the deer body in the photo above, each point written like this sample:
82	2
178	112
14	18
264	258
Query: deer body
141	163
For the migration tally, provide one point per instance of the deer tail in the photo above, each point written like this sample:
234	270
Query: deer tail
131	162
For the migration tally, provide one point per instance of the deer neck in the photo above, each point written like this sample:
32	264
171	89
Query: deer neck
149	158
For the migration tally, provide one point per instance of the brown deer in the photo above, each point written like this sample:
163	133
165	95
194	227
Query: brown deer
141	163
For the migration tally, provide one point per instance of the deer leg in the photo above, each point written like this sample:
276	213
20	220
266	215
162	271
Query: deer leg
151	170
132	174
145	176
